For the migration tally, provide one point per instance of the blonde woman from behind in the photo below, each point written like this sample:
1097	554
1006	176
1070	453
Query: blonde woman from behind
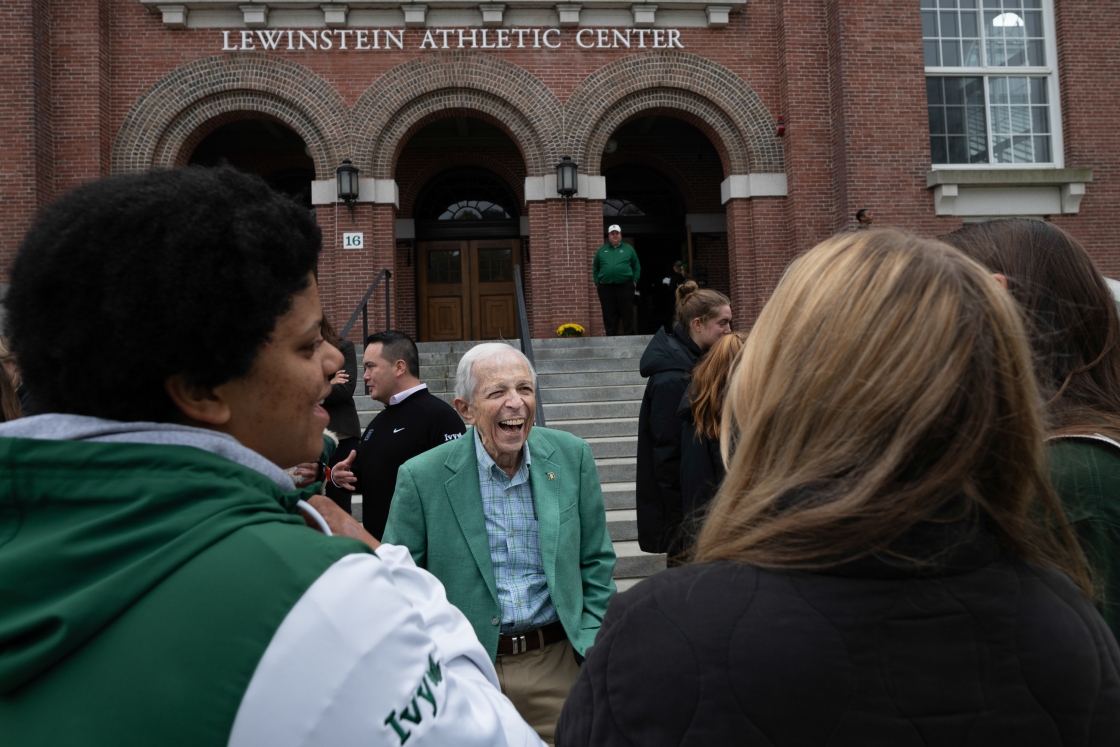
885	562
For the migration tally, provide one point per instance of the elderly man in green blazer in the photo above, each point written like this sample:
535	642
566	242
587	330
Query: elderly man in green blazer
511	519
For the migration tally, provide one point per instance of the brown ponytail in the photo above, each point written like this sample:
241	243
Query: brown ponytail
694	303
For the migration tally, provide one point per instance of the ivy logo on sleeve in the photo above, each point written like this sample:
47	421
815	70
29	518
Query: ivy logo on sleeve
412	713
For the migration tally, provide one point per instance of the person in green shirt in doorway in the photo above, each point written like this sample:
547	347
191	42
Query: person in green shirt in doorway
616	270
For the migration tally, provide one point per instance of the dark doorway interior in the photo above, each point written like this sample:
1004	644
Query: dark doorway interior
468	228
651	212
265	148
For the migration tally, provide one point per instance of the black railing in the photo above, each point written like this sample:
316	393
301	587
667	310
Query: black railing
526	337
363	308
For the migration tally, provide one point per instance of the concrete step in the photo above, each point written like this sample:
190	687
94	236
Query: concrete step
547	355
625	584
621	469
593	394
593	427
622	524
614	446
633	563
617	495
618	408
582	342
429	373
550	382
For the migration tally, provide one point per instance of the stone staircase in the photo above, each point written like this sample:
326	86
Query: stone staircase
591	388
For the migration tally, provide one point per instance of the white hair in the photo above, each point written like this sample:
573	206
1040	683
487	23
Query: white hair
465	380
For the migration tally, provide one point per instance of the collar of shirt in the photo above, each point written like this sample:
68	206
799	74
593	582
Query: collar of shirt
489	469
399	397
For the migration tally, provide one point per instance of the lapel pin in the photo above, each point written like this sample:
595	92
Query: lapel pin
551	475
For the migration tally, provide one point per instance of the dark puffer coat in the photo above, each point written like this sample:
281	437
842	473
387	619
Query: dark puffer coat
985	649
666	362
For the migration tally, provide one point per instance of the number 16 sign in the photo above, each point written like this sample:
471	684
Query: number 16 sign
353	240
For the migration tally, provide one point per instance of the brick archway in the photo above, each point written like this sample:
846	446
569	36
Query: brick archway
708	95
467	81
162	121
424	175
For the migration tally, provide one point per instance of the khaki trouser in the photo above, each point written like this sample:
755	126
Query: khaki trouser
537	683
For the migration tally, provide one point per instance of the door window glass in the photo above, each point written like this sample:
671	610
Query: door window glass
445	267
495	266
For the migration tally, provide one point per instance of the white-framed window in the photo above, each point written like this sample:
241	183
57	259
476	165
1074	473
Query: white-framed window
992	83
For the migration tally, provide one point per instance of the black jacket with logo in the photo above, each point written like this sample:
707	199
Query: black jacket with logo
398	433
666	363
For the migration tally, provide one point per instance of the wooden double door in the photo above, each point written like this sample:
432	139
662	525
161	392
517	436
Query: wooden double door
466	289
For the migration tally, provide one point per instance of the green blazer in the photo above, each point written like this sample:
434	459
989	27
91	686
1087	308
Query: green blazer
437	514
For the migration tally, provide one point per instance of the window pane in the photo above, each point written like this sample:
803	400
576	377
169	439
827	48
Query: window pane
444	267
1038	90
933	53
958	150
1036	53
949	24
1040	119
968	3
495	266
1001	119
1016	52
990	27
929	24
933	91
1033	20
991	3
1042	149
974	120
936	120
1024	149
951	53
969	23
978	150
954	120
1020	120
1001	149
997	90
948	3
938	152
974	91
1032	4
1018	90
929	3
996	56
971	56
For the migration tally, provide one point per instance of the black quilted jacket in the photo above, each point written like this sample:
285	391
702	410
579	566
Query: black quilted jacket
985	649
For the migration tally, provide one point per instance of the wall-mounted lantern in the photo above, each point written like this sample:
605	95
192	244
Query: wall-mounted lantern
566	183
347	177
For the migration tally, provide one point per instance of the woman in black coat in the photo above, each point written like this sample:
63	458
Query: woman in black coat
885	562
339	404
702	468
703	316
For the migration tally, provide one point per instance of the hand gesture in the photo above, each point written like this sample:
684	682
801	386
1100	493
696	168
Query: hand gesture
340	377
341	475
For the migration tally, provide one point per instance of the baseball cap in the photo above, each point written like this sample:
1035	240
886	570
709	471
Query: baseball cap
614	227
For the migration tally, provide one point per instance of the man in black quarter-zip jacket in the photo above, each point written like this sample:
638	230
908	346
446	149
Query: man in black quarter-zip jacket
413	421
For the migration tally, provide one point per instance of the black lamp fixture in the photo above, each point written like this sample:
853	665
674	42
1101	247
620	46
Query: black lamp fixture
347	177
566	184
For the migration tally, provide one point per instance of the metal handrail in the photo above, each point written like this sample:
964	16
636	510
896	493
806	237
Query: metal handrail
364	304
526	337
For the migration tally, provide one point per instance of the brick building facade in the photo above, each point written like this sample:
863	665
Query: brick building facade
889	105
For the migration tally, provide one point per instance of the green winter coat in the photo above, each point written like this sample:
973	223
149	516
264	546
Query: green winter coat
616	264
1085	472
139	587
437	514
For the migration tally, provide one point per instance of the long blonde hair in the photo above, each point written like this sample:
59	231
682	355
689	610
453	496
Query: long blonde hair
708	388
887	382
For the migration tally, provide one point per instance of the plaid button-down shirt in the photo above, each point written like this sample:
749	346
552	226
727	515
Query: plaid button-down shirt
515	544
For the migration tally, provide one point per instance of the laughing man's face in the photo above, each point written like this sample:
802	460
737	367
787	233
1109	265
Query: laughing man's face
503	405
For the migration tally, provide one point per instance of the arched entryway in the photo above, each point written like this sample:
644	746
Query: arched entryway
264	147
663	189
468	228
